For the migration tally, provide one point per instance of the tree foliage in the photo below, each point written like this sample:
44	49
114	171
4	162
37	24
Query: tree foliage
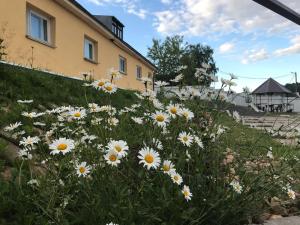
172	53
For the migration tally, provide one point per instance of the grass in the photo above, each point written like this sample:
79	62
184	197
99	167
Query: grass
47	90
154	199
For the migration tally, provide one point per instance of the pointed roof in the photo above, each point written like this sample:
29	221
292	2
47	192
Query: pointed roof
271	86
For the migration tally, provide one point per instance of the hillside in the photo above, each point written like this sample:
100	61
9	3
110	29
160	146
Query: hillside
181	162
47	91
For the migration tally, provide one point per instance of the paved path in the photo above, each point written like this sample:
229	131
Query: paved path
294	220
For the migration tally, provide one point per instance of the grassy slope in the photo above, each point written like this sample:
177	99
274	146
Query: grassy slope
47	90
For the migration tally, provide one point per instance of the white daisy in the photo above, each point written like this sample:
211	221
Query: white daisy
111	223
114	74
96	121
25	101
186	138
149	158
30	114
110	88
168	167
187	193
173	110
94	107
186	113
160	118
29	141
177	78
161	83
176	178
112	121
25	154
39	124
157	104
33	182
236	186
12	126
78	114
198	141
61	145
109	109
82	169
157	143
99	84
138	120
270	154
112	158
120	147
291	194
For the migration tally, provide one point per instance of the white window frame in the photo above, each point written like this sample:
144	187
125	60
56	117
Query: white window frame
139	72
125	64
89	41
32	12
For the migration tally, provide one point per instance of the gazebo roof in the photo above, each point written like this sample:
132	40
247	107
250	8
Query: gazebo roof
271	86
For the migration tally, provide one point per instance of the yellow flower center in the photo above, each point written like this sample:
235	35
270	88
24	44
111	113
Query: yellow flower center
166	167
101	83
149	158
62	147
173	110
108	88
176	178
186	193
185	138
118	148
113	158
77	114
81	169
160	118
185	114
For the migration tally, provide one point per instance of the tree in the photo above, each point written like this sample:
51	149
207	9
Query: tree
193	58
172	54
166	56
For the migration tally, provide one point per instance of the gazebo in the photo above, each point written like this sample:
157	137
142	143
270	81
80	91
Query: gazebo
271	96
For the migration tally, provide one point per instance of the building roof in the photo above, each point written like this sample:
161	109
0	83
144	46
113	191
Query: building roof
271	86
113	18
85	11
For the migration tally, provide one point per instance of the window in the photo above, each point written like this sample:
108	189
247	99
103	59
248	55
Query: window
117	30
122	65
90	49
138	72
39	27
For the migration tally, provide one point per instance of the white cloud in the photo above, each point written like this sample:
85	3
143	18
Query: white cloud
167	2
255	55
97	2
226	47
294	48
168	22
130	6
205	17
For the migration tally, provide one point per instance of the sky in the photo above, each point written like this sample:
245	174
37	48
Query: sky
249	40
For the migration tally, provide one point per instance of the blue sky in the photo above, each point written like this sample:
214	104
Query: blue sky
249	40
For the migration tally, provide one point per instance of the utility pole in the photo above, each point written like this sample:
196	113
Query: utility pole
295	73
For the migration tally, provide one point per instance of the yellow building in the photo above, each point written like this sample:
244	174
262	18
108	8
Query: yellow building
61	36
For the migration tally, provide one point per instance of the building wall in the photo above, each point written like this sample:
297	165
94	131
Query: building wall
67	55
